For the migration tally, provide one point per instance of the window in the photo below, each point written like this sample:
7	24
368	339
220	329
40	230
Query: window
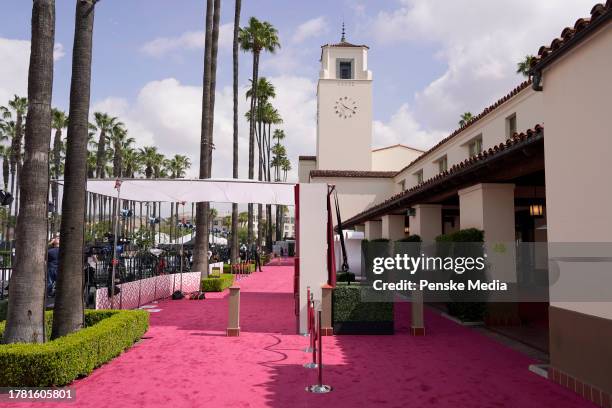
345	69
419	176
510	125
402	185
442	164
475	146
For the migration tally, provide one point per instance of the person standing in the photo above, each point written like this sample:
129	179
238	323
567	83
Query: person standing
52	265
256	258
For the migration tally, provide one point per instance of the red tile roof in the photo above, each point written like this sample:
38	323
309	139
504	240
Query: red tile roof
381	208
571	36
397	145
352	173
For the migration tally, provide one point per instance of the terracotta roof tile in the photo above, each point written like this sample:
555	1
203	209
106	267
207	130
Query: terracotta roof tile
345	44
599	14
514	140
352	173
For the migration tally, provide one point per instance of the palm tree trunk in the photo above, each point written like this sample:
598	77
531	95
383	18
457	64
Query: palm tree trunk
252	142
101	155
68	315
25	319
234	236
202	213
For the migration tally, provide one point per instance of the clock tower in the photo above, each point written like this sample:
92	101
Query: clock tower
344	108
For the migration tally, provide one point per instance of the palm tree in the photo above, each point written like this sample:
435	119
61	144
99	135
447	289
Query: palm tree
68	312
524	66
286	167
149	157
120	140
25	319
178	165
132	162
256	37
58	122
236	46
206	139
465	119
105	124
19	105
159	170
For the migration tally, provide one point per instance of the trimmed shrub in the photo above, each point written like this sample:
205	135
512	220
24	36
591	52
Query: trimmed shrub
227	268
351	315
217	284
380	240
106	335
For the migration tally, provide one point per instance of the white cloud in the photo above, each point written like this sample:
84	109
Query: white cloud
189	40
311	28
405	129
167	114
15	57
480	41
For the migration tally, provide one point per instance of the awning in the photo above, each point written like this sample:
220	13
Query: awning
195	190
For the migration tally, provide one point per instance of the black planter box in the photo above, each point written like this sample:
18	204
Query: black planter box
372	328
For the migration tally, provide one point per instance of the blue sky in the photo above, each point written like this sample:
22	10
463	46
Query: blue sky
431	61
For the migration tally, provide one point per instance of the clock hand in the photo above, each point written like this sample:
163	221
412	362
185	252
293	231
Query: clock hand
348	108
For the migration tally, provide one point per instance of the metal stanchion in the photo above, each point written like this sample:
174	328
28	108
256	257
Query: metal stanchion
308	311
319	388
313	336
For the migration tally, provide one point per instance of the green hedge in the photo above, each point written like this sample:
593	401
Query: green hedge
58	362
410	238
348	306
227	268
217	284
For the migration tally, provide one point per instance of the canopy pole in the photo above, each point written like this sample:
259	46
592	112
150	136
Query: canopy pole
114	262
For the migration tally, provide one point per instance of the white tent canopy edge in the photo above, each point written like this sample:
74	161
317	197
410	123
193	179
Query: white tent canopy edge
195	190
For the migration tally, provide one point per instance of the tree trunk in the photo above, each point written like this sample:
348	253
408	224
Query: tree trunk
25	319
202	211
252	143
68	316
101	155
234	235
57	147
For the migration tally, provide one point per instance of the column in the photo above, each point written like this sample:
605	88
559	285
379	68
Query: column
393	227
427	223
490	207
373	229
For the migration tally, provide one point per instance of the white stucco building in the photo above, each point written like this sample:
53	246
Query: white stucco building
498	173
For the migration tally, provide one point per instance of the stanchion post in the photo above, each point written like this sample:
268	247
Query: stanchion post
319	388
313	336
307	311
233	324
326	308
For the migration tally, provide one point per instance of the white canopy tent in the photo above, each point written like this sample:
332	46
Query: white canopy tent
196	190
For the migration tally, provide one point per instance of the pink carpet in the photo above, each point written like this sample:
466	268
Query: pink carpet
186	361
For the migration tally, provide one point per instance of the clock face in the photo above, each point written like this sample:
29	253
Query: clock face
345	107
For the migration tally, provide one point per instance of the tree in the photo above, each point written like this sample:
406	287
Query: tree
286	167
132	162
58	122
234	236
19	105
524	66
25	318
68	315
105	124
149	157
120	140
256	37
178	165
465	119
206	140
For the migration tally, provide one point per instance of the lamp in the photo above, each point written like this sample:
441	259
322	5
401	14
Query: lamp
536	210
